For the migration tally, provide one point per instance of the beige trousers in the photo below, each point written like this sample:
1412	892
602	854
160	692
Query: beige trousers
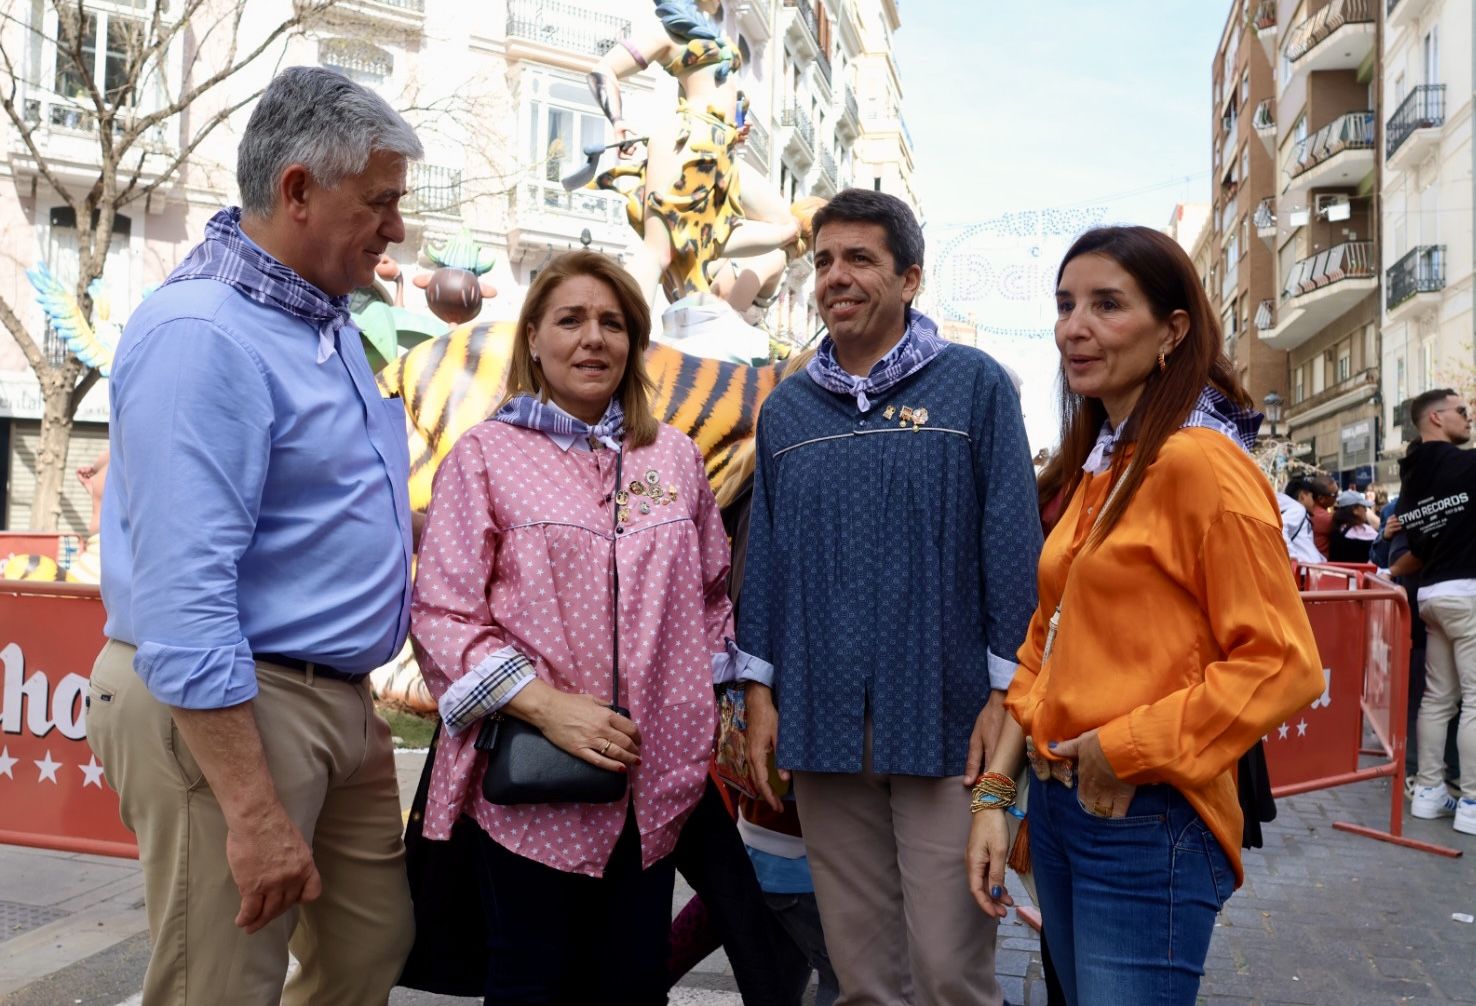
332	760
887	854
1450	685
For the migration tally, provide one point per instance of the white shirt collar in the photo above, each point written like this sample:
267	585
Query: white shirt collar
564	441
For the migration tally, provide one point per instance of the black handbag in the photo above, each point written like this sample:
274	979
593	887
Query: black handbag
523	766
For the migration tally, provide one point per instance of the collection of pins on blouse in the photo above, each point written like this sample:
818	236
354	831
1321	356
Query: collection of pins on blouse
917	417
644	495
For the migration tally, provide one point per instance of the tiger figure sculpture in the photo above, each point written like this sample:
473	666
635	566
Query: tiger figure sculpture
452	383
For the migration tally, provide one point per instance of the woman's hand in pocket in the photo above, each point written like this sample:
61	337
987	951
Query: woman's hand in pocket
1098	789
580	724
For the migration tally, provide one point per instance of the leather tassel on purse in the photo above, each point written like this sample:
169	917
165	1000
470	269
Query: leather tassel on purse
1019	857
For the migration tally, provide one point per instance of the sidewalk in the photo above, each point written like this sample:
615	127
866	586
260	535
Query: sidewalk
1324	917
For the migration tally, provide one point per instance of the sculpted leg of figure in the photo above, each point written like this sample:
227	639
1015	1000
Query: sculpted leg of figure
741	281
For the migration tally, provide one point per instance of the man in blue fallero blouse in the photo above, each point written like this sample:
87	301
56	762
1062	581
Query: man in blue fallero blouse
890	580
256	568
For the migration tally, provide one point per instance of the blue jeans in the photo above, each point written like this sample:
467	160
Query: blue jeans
799	914
1128	904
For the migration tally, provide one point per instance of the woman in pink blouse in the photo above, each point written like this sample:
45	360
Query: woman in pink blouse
512	613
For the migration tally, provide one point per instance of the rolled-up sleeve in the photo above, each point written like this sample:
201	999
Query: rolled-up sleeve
192	419
465	657
1269	668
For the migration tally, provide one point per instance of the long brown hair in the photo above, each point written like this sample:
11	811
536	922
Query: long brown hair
634	390
740	470
1167	278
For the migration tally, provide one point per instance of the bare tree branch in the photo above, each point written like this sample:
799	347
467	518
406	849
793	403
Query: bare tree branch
128	195
34	356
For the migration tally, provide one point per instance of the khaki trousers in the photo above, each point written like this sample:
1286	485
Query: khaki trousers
887	854
1450	684
332	760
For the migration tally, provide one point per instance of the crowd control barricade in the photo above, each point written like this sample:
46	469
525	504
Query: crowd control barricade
1361	623
51	785
47	543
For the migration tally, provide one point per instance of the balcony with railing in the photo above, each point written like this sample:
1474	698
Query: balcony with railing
848	124
1264	218
1338	37
1264	18
1340	153
542	216
1415	281
1415	126
1403	13
1263	119
434	190
803	31
66	132
829	173
565	26
756	146
799	144
1265	319
1321	288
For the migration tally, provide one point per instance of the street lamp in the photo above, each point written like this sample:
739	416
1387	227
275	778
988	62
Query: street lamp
1272	401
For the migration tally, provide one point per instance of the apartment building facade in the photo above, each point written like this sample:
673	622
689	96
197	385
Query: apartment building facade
1428	198
1297	220
503	108
1241	276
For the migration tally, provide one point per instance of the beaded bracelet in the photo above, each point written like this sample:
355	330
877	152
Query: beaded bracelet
993	791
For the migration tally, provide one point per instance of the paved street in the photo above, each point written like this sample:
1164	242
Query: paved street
1325	917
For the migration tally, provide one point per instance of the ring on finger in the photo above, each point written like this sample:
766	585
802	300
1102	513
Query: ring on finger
606	747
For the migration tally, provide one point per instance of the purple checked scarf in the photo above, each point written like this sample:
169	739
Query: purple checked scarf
920	343
228	256
1213	411
530	413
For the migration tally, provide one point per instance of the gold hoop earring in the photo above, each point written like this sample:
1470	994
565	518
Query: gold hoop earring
1162	362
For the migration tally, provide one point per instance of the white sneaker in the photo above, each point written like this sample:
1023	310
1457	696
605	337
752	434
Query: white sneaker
1430	802
1465	817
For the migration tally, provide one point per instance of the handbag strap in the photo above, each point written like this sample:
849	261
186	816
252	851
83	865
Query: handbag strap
1055	622
615	582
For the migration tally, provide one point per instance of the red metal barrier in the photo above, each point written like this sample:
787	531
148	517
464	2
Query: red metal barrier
47	543
1361	622
51	786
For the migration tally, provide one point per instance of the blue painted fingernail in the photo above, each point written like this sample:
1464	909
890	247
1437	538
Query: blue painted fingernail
1051	745
995	892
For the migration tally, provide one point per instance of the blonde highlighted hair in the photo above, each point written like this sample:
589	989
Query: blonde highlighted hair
524	376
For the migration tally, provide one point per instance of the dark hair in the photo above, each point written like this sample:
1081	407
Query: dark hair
1299	485
1421	405
867	206
524	376
1168	280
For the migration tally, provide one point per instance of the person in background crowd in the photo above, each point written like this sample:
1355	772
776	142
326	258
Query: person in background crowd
892	540
257	568
1134	822
1324	495
1437	486
1353	534
1296	522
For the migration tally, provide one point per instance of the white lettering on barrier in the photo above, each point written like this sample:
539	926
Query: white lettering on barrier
1326	698
26	698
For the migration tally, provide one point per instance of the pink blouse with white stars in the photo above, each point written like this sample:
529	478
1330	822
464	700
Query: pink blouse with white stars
514	568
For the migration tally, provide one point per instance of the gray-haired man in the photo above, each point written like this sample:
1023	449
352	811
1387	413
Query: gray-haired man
257	566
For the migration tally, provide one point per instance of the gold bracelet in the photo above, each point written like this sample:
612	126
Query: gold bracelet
993	791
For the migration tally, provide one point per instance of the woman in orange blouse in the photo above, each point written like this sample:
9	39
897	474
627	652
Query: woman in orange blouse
1178	639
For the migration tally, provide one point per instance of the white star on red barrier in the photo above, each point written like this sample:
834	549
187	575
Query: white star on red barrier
7	763
92	773
47	768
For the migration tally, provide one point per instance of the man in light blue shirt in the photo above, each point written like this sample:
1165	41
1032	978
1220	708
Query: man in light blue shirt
256	568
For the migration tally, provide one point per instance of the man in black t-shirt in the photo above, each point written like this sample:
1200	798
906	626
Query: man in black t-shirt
1437	507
